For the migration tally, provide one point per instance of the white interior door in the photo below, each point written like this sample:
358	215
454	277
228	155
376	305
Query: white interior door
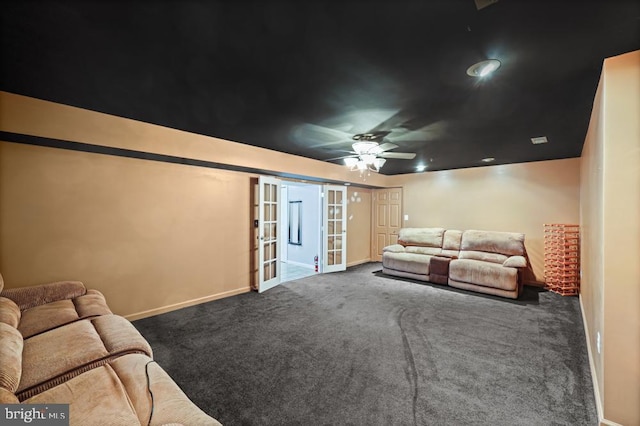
335	228
269	229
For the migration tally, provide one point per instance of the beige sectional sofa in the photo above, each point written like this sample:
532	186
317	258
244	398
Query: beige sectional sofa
61	344
484	261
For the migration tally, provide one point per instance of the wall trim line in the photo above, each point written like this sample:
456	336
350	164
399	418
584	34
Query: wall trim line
150	156
186	304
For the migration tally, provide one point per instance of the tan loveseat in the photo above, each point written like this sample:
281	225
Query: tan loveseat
484	261
60	344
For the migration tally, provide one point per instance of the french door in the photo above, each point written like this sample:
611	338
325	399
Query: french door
334	228
268	234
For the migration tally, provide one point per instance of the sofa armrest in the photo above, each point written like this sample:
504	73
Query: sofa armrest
394	248
515	262
29	297
7	397
447	255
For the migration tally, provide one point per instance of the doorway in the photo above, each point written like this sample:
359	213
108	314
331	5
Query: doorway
298	226
301	230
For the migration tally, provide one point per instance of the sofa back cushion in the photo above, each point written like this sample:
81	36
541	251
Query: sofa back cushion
9	312
451	242
11	344
503	243
423	237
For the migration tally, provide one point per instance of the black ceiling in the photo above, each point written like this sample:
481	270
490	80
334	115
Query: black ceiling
302	77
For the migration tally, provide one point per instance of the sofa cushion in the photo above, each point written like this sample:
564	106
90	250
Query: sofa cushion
407	262
117	394
423	250
483	256
425	237
511	294
507	243
96	397
76	347
9	312
451	243
11	345
452	239
394	248
54	314
171	404
46	317
515	262
483	273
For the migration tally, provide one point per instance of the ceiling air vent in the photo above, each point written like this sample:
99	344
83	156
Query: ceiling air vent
539	140
481	4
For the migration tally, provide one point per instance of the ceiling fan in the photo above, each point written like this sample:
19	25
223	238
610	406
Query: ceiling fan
371	134
369	154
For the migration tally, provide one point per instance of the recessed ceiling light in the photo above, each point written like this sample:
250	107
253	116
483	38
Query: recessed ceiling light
347	184
488	159
539	140
483	68
421	168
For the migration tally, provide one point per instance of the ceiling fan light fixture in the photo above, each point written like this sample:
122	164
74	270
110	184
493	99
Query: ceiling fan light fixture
378	163
351	161
368	158
363	147
361	165
483	68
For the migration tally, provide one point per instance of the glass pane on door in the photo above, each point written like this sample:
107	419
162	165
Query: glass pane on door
335	228
268	225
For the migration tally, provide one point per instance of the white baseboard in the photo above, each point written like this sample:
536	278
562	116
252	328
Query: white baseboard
187	303
605	422
594	377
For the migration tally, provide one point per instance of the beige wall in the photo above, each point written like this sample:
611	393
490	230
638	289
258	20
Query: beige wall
151	236
610	212
592	238
515	198
147	234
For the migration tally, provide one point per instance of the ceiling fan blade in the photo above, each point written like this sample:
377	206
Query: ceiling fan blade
393	122
314	136
424	134
387	146
359	120
398	155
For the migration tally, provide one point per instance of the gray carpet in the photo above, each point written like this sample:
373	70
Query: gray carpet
363	348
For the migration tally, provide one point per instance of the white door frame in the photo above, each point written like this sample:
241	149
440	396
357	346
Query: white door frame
334	219
268	232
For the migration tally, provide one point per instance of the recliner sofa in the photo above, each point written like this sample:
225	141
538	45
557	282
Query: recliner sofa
484	261
61	344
